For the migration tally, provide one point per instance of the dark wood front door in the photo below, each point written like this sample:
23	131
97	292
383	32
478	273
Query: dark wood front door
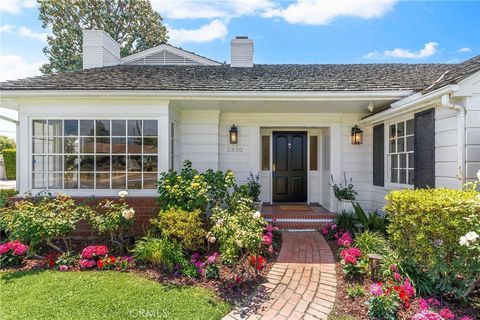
290	166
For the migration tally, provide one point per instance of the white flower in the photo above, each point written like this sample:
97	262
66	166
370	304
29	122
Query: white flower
128	213
257	215
239	243
219	222
463	241
123	194
472	236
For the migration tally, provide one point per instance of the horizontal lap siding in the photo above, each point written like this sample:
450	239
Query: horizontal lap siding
472	152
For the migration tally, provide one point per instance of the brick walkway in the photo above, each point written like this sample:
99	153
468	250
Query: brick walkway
301	285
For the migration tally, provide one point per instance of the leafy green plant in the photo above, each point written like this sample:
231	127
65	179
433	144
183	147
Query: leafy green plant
343	191
355	291
254	187
159	252
370	221
383	307
109	217
372	242
187	190
219	185
239	232
426	229
185	227
10	161
345	221
34	223
5	195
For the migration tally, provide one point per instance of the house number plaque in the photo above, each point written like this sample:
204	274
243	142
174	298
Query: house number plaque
235	149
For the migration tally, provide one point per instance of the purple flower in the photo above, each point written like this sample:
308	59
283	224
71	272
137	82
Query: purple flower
198	264
376	289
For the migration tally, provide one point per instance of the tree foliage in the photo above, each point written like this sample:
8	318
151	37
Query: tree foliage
132	23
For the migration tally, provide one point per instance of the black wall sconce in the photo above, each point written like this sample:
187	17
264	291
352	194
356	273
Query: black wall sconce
233	135
357	135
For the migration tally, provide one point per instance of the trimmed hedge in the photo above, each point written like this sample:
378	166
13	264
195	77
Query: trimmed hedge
425	229
10	161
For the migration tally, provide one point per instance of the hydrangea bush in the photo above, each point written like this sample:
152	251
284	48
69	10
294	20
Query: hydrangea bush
12	253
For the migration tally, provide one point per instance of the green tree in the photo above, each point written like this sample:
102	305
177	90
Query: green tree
132	23
6	143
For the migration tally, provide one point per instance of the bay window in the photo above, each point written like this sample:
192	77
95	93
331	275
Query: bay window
94	154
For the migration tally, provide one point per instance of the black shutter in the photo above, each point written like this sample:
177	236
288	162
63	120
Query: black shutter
378	155
424	147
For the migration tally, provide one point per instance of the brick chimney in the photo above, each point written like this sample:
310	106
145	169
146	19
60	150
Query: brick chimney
241	52
99	49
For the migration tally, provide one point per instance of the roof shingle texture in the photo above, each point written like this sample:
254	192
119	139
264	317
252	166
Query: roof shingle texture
286	77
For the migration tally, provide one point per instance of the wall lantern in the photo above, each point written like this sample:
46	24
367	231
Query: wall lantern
357	135
233	135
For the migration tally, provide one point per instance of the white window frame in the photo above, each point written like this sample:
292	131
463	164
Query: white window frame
96	191
388	183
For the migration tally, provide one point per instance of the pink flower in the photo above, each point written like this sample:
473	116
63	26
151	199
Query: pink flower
350	259
334	226
266	240
63	268
466	318
101	250
376	289
269	227
324	231
434	302
213	258
446	313
345	240
426	315
86	263
423	304
269	234
393	268
270	249
397	276
355	252
409	289
87	253
4	248
19	249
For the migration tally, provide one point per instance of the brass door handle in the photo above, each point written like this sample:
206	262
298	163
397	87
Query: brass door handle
273	167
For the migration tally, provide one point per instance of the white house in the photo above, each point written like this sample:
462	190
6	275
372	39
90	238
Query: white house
121	121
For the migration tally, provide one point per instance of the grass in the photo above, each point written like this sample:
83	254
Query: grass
101	295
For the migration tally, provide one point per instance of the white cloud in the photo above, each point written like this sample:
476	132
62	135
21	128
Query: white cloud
428	50
29	33
214	30
16	6
463	50
7	28
208	9
322	12
16	67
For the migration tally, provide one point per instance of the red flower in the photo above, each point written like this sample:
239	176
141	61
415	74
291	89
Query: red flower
51	263
112	259
100	264
350	259
258	263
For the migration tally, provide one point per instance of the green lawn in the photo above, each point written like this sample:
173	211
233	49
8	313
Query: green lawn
101	295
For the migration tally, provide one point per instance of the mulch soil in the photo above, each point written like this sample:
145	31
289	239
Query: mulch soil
357	308
225	287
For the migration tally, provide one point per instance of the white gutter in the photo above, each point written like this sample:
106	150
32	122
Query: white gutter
217	95
461	157
409	104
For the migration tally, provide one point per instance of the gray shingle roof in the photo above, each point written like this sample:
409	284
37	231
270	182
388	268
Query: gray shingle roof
456	74
286	77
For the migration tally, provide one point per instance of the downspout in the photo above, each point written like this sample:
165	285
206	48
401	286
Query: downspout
446	102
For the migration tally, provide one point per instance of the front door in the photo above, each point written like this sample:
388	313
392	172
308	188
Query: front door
289	166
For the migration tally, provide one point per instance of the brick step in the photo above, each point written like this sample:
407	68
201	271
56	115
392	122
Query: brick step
295	225
297	215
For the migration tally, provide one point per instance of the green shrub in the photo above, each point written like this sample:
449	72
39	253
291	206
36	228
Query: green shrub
185	227
239	231
10	161
34	223
370	221
5	195
160	252
426	229
372	242
6	143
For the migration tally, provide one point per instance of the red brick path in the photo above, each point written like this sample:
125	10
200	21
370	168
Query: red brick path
301	285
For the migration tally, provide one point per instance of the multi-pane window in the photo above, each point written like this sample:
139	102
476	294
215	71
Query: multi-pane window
95	154
400	152
174	146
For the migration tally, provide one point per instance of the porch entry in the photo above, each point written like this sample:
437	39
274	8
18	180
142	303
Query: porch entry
289	166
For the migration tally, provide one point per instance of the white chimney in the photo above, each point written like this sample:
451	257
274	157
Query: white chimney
99	49
241	52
